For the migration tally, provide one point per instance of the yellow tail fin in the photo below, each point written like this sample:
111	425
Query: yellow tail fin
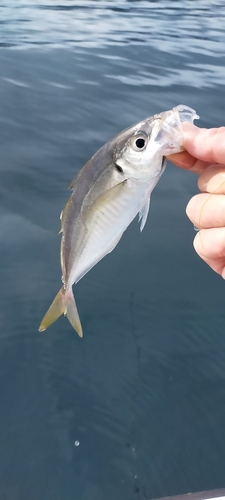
63	303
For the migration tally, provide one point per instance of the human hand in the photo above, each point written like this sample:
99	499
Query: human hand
205	154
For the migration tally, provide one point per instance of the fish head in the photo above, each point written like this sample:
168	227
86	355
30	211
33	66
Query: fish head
149	141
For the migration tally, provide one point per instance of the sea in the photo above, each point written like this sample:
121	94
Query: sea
136	409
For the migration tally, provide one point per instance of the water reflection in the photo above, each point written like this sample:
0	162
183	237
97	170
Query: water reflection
94	24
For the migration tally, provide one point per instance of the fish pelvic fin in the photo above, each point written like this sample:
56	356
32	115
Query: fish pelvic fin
63	303
143	213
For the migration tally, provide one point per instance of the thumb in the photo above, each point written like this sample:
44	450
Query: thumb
205	144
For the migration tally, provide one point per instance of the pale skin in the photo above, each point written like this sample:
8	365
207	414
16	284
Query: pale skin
205	155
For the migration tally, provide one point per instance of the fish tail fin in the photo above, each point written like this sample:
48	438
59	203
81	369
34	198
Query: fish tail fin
72	313
63	303
56	309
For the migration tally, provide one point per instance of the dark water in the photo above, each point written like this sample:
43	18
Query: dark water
143	394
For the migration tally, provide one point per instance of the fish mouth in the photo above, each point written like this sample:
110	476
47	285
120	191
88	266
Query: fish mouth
185	113
169	134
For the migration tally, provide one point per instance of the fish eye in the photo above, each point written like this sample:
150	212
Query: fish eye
139	141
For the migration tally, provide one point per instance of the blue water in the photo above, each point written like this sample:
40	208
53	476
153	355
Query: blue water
136	409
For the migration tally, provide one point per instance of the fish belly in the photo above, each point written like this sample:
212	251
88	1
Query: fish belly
105	221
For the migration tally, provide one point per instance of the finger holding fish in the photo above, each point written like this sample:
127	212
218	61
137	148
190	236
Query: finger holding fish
207	210
186	161
203	147
205	144
210	246
212	179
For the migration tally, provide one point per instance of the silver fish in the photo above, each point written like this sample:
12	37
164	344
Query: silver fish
109	191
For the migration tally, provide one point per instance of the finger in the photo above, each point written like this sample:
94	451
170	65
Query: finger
212	179
207	210
210	246
205	144
188	162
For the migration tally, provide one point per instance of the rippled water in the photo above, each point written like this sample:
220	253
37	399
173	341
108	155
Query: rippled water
136	409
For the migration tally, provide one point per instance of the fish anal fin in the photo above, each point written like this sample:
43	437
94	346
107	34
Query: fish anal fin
115	242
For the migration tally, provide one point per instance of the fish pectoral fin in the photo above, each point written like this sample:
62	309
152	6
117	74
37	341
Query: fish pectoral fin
105	199
143	213
63	303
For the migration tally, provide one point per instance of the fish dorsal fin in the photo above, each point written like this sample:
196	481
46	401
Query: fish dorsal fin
143	213
73	183
63	215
